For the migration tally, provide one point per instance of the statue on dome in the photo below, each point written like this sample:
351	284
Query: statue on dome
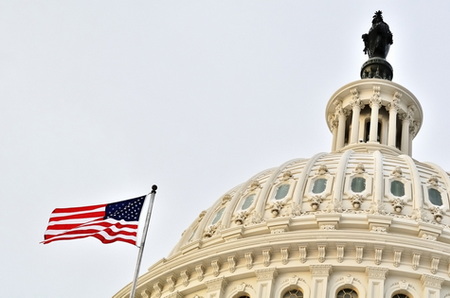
379	38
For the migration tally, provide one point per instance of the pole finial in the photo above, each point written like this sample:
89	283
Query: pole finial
154	188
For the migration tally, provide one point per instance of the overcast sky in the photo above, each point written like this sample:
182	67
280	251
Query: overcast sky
100	99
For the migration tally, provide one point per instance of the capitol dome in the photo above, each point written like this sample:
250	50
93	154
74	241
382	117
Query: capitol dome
365	220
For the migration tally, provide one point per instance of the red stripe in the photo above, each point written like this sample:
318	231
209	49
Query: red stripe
79	215
105	224
78	209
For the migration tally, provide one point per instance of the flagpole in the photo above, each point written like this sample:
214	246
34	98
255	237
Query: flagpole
144	235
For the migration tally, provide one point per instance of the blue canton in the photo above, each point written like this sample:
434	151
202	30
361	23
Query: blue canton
128	210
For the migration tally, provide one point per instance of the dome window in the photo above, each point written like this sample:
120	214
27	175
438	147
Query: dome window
358	184
397	188
218	216
248	201
319	186
435	197
400	296
282	191
347	293
293	294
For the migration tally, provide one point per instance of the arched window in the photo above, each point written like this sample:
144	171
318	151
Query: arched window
397	188
243	296
218	216
347	293
319	185
435	196
282	191
400	296
358	184
248	202
294	293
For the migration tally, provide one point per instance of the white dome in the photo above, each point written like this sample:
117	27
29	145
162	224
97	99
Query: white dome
302	190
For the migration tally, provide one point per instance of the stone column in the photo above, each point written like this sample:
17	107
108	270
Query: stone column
406	122
431	286
216	287
375	103
333	124
319	286
376	277
265	280
393	111
341	115
356	109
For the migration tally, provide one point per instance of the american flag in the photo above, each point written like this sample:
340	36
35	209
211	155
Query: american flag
106	222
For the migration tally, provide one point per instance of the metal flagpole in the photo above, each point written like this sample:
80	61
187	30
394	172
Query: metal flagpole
144	235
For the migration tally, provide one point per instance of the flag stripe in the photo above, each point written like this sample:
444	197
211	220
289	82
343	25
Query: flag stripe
108	222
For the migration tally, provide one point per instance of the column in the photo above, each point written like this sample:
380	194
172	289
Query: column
375	103
393	111
356	109
431	286
319	286
341	115
376	277
333	124
405	133
216	287
265	280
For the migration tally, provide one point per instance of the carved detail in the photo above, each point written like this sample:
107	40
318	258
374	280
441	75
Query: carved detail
397	258
232	263
303	254
266	257
376	272
321	252
200	270
249	260
434	265
266	274
359	254
320	270
185	277
284	255
378	255
415	261
340	253
171	282
157	289
431	281
215	264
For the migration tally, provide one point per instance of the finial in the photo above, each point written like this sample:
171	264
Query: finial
376	44
379	39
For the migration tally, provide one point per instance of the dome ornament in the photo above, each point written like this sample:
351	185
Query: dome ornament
376	44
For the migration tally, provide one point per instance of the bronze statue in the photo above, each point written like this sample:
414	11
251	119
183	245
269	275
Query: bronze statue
379	38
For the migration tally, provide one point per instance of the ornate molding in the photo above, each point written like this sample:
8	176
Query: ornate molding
266	274
431	281
376	272
320	270
217	284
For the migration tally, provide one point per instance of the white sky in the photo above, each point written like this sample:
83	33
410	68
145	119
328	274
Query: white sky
101	99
